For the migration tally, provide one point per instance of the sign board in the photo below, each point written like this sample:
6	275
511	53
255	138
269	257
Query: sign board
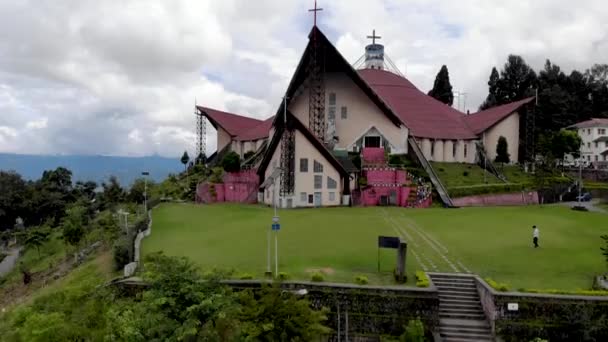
388	242
275	219
276	226
512	306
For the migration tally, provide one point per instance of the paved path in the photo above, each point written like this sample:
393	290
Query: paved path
591	206
9	261
430	253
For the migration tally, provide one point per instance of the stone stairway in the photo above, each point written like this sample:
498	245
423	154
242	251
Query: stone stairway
461	317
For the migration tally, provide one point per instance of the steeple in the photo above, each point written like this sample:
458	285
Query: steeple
374	53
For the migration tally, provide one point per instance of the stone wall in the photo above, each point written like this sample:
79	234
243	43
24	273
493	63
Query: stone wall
552	317
367	311
517	198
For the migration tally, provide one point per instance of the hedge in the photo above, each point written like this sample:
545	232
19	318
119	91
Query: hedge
463	191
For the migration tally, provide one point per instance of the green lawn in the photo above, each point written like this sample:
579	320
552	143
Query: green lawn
460	174
493	242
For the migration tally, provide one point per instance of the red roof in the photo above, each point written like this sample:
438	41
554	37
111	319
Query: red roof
485	119
231	123
594	122
261	131
422	114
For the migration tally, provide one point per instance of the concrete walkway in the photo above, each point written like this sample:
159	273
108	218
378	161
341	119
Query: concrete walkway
9	261
590	205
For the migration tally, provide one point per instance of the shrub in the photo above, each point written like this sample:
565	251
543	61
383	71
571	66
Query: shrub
120	253
362	181
395	159
231	162
422	280
283	275
317	277
441	169
465	173
565	292
414	331
502	287
361	280
248	155
245	276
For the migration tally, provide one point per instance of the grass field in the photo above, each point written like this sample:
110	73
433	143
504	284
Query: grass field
492	242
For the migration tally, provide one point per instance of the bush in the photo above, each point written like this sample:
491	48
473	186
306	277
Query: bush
362	181
361	280
395	159
441	169
120	253
502	287
248	155
465	173
462	191
245	276
422	280
231	162
565	292
283	275
414	331
317	277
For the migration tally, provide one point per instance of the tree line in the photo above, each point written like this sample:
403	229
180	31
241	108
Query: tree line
562	99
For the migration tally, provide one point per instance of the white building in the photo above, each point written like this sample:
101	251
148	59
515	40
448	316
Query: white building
594	135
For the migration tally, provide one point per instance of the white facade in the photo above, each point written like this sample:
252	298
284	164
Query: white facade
593	143
508	128
308	191
351	116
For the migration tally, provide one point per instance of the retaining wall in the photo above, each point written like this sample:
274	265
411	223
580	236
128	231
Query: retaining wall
516	198
548	316
367	311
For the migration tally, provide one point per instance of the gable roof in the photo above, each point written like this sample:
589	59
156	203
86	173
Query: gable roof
333	61
234	124
294	123
594	122
483	120
260	131
422	114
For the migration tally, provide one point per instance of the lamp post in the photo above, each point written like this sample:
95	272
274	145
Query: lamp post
145	174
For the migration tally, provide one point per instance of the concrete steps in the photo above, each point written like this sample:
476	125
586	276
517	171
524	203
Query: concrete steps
461	317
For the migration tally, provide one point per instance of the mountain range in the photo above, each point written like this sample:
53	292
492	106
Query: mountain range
92	167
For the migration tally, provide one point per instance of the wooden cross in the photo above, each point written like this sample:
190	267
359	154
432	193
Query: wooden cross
315	10
373	37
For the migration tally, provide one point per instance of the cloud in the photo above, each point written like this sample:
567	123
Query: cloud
121	77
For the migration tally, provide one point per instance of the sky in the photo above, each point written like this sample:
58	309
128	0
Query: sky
120	77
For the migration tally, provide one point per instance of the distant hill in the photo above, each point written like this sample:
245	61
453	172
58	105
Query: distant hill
96	168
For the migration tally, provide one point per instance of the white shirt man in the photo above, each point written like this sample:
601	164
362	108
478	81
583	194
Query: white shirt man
535	236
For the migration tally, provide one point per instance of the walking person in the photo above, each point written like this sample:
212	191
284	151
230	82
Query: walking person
535	236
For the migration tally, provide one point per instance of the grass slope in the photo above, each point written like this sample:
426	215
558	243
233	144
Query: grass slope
342	241
493	242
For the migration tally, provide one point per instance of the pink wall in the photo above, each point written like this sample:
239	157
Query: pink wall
370	196
240	187
373	155
517	198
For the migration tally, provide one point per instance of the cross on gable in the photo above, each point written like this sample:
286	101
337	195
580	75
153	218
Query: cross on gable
315	10
373	37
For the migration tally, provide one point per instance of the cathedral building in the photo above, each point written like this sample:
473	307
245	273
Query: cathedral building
333	110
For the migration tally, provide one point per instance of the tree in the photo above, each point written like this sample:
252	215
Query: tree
276	315
12	197
565	142
517	81
502	151
36	238
492	98
136	192
185	159
231	162
112	192
442	89
74	226
201	159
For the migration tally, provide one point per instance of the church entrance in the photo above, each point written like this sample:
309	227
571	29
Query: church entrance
372	142
318	199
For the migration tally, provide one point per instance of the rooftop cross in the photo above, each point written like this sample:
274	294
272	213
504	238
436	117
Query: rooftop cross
315	10
373	37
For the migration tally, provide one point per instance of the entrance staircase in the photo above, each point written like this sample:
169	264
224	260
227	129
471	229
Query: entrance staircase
441	189
461	317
